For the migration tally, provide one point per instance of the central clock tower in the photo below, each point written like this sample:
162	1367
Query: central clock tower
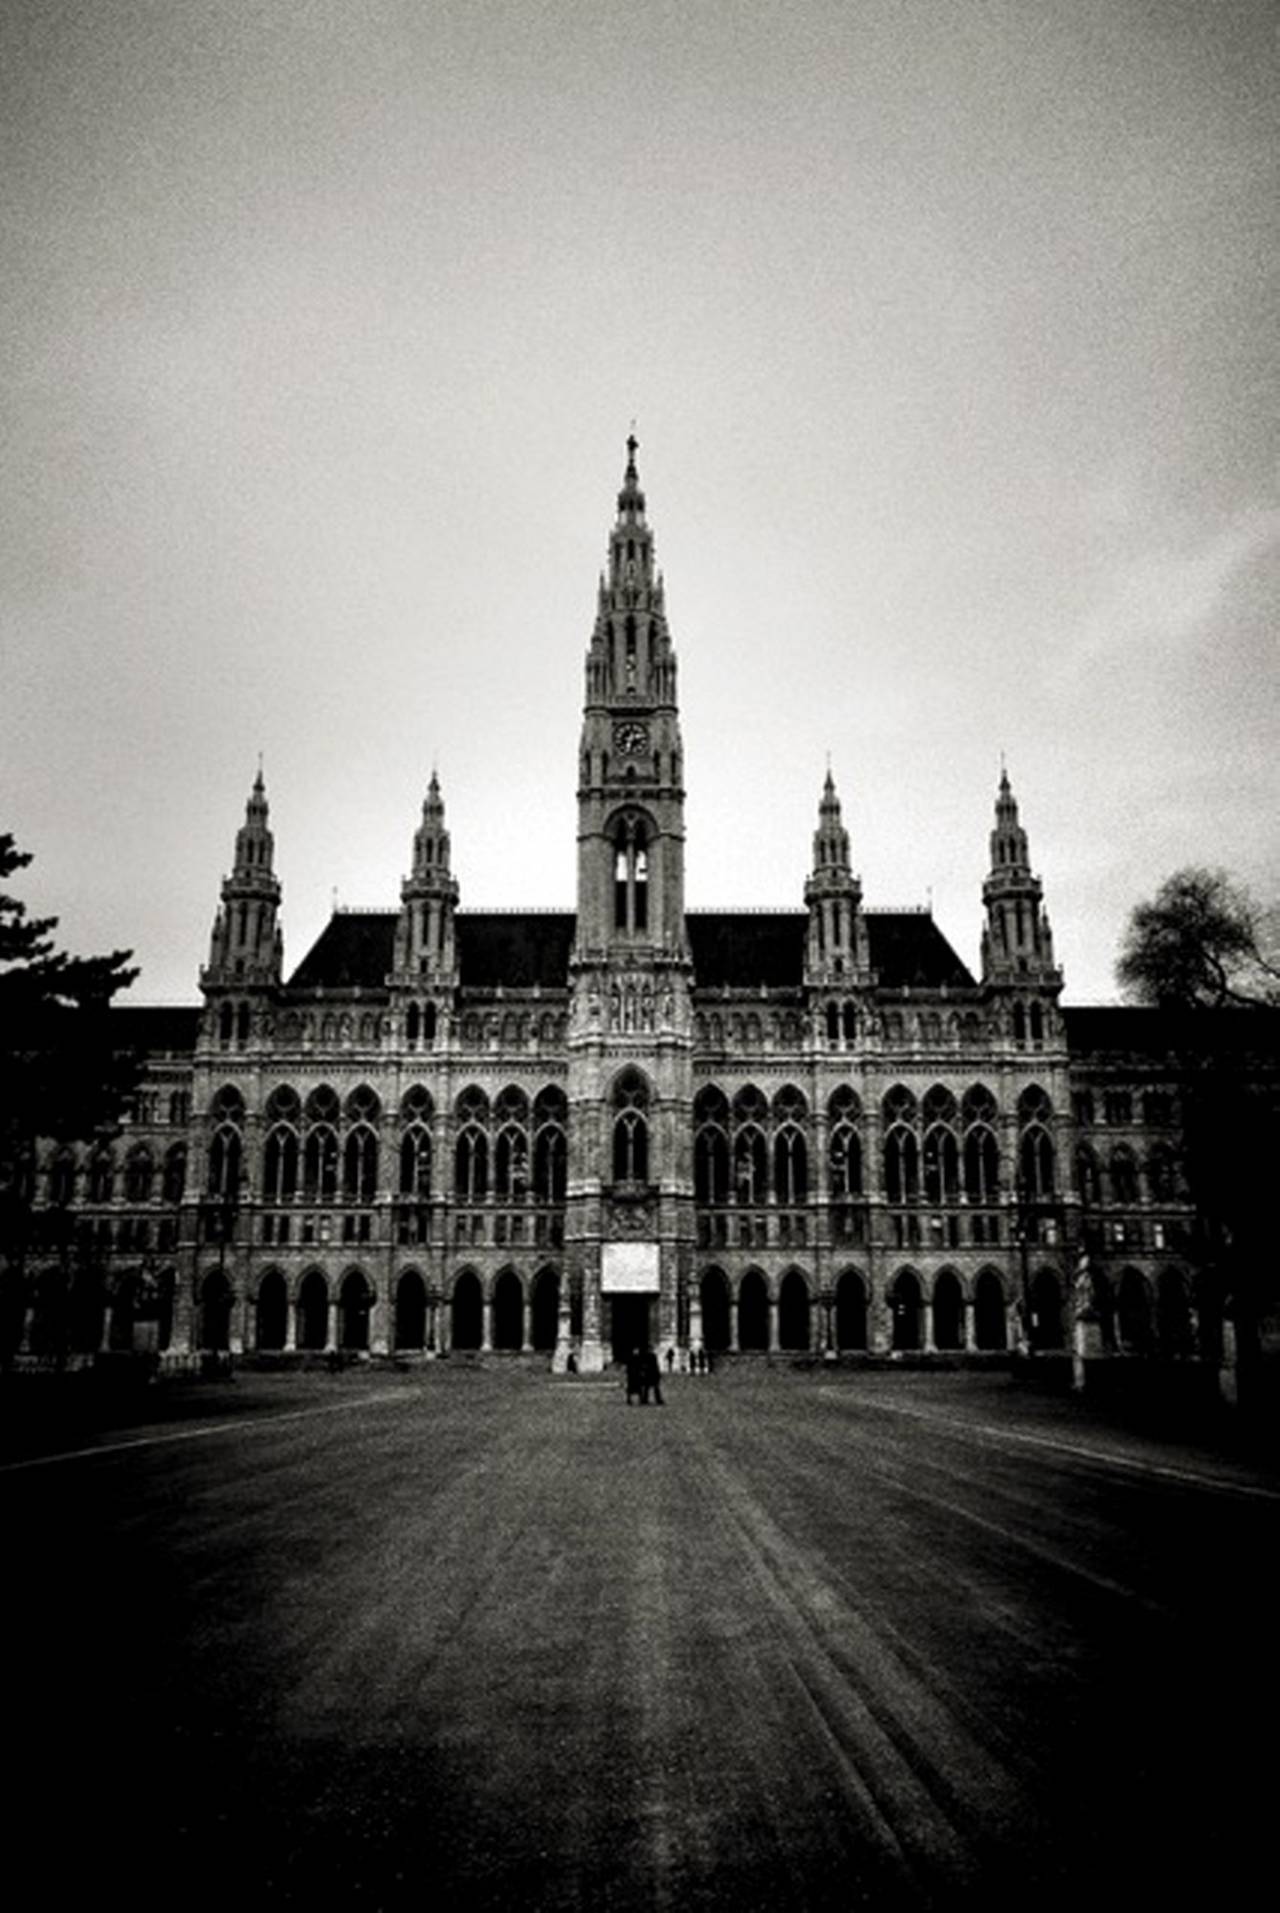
630	796
629	1226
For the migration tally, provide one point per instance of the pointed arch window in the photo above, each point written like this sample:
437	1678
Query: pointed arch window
62	1179
631	1129
224	1163
415	1162
280	1164
360	1165
631	875
471	1164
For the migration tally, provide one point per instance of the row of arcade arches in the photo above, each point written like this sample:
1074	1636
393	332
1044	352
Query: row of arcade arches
315	1314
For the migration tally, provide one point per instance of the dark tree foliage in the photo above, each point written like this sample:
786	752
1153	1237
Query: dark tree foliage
61	1078
1200	943
1202	952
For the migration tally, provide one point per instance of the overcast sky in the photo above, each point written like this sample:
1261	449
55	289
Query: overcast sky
950	330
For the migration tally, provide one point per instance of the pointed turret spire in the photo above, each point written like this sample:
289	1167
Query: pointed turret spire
1017	942
631	655
836	947
246	945
424	947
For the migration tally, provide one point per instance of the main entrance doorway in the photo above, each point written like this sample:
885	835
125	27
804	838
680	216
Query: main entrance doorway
630	1324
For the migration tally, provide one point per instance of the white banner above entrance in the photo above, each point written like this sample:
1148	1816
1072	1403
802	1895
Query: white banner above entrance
629	1268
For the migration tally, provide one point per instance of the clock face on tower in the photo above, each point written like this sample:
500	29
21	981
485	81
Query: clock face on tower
631	738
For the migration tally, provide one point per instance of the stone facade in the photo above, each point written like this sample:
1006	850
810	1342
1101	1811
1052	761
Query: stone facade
813	1132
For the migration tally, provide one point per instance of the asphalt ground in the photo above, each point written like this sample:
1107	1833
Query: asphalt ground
497	1639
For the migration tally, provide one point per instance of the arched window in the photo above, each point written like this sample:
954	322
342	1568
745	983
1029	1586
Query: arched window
313	1311
941	1151
139	1173
412	1023
979	1114
102	1176
1037	1023
851	1311
411	1311
1088	1177
905	1306
226	1025
466	1312
360	1165
1124	1176
280	1165
849	1022
320	1164
1162	1174
550	1145
844	1161
631	1128
175	1173
508	1311
224	1163
711	1166
833	1022
1019	1024
988	1311
271	1313
415	1162
790	1167
471	1164
793	1312
901	1165
753	1312
1036	1160
356	1301
631	874
1035	1150
750	1166
948	1311
544	1311
981	1165
62	1179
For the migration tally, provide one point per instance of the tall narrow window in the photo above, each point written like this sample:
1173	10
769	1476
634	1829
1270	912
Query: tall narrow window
641	890
620	891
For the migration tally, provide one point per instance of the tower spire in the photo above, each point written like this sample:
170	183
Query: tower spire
424	945
246	946
836	947
1017	943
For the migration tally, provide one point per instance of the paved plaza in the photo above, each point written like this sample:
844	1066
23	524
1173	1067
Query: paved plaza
497	1639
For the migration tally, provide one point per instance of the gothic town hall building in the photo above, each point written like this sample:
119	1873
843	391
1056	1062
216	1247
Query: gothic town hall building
805	1134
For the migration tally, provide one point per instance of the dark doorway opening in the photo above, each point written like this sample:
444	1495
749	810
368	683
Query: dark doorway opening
630	1326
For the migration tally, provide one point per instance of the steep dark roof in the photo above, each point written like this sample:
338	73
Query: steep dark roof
743	949
353	951
155	1027
514	950
1097	1030
740	950
496	948
906	946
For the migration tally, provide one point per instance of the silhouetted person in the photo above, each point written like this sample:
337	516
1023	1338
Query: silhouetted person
650	1378
635	1378
671	1358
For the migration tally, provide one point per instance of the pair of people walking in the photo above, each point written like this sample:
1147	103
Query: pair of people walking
644	1377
